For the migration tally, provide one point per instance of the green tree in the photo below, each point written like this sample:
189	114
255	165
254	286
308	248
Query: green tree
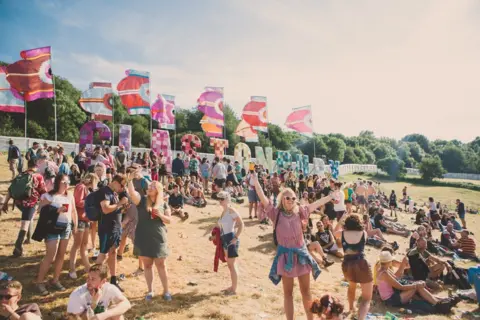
453	158
420	139
431	168
336	149
416	151
393	166
350	156
382	151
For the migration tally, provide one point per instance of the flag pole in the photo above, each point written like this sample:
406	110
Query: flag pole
25	107
54	94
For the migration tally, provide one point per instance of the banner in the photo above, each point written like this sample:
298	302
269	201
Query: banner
134	91
163	111
255	113
219	146
10	99
210	103
264	158
98	100
300	120
125	137
161	145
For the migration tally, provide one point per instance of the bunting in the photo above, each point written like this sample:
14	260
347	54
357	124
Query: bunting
32	76
98	100
134	91
163	111
300	120
10	99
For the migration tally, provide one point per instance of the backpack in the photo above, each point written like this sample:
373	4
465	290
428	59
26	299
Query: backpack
93	210
275	241
22	186
49	173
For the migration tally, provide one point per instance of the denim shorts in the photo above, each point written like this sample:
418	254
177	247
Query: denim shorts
232	250
27	213
65	235
109	240
252	196
83	225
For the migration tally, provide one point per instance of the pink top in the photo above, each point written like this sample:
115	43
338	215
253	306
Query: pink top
289	235
384	288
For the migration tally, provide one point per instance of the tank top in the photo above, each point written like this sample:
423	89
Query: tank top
384	288
358	247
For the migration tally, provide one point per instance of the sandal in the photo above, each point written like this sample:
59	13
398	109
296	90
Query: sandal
57	285
137	273
42	289
230	293
167	297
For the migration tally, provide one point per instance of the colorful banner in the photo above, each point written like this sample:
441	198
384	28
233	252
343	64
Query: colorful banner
89	128
264	158
125	137
10	99
210	103
300	120
243	155
190	143
134	91
32	76
98	100
255	113
302	163
161	145
246	131
163	111
219	146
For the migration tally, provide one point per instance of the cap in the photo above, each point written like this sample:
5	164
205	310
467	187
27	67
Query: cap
385	257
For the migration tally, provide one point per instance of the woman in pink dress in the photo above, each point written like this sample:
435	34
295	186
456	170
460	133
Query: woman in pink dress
292	259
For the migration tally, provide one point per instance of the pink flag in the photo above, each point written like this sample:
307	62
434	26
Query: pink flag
163	111
300	120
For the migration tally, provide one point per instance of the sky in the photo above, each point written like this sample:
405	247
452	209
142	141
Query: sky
392	67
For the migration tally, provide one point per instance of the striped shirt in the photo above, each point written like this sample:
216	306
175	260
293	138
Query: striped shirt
467	245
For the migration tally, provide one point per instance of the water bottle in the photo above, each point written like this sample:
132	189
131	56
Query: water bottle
390	316
90	312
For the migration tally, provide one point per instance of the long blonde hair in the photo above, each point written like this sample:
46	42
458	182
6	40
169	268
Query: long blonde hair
280	201
158	200
90	179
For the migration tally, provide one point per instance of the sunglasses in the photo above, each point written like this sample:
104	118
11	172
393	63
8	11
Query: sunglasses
319	225
290	198
66	182
6	296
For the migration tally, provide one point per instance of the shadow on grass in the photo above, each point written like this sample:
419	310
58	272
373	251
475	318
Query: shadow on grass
267	246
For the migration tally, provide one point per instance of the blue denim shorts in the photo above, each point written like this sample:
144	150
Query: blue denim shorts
252	196
232	250
65	235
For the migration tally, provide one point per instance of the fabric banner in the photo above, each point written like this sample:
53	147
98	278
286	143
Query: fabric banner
32	76
210	103
219	146
190	143
134	91
255	113
300	120
10	99
125	137
89	128
161	145
163	111
98	100
246	131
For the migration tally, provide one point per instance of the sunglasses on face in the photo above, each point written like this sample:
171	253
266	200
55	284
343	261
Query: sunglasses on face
66	182
319	225
6	296
290	198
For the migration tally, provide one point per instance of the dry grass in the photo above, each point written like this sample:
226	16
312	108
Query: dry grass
257	297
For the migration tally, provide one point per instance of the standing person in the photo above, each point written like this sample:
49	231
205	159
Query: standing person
205	170
56	244
329	206
151	234
252	194
32	152
404	192
393	203
154	168
80	238
302	182
178	168
193	166
355	267
81	160
228	222
110	162
219	174
287	218
121	159
239	176
361	193
339	201
461	213
27	206
275	181
14	158
371	191
48	169
348	193
433	215
110	224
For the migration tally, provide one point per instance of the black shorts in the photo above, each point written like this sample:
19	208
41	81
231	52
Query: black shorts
194	174
395	300
27	213
109	240
219	182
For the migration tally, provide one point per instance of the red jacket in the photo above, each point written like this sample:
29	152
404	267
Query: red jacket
219	252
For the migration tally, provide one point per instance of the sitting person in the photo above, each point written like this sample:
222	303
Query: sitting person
381	223
175	201
196	189
448	238
376	235
327	307
456	224
395	294
313	246
327	241
401	266
424	265
171	184
10	296
99	296
420	217
466	246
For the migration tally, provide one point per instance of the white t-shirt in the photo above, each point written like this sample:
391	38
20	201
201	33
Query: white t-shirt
340	196
99	158
227	222
80	298
220	172
58	201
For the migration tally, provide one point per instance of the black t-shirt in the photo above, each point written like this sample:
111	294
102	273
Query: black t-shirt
323	237
31	308
175	200
113	220
329	205
377	219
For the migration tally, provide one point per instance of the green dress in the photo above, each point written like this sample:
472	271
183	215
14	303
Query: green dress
151	234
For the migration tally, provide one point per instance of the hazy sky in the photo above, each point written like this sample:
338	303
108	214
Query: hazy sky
393	67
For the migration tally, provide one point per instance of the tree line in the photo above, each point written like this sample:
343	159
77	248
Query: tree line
433	158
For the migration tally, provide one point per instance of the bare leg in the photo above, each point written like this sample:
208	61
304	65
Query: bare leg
83	250
77	241
233	273
288	297
352	287
59	259
427	296
367	290
123	244
112	261
250	208
255	205
304	283
47	260
148	265
161	265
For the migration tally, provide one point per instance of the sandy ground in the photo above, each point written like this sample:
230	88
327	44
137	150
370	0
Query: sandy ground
195	287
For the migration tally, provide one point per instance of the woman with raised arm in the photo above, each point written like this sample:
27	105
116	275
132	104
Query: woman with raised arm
292	259
151	233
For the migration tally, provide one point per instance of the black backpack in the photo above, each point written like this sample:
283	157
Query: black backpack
458	277
93	210
275	241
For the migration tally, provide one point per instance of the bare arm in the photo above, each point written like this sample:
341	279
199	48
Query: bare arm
395	284
239	224
320	202
119	309
134	195
74	213
258	188
109	208
166	216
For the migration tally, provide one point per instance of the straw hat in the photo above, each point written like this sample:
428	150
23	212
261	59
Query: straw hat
385	257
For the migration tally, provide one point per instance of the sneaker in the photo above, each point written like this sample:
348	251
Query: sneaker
149	296
327	263
73	275
167	296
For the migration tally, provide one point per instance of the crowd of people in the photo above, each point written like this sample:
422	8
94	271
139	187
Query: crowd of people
116	198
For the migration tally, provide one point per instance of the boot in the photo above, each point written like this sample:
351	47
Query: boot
18	251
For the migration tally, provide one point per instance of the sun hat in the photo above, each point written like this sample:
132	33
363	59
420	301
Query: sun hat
385	257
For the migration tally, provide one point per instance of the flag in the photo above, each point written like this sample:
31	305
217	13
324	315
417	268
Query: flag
125	137
210	103
163	111
10	99
300	120
89	128
161	145
98	100
32	76
246	131
134	91
255	113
